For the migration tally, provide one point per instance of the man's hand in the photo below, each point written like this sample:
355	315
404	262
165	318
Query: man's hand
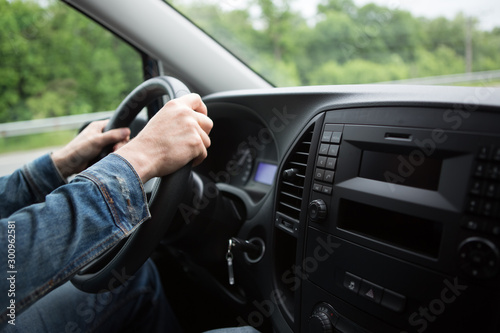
76	155
176	135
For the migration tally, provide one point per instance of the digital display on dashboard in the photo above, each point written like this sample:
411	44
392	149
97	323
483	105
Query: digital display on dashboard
402	230
265	173
413	169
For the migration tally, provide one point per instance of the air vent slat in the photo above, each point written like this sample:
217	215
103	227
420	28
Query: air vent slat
291	195
304	165
290	189
289	206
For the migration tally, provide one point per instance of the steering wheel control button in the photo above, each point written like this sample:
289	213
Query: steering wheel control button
352	282
371	291
393	301
479	258
317	210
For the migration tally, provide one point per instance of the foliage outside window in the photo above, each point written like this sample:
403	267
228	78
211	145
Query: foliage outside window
344	43
56	62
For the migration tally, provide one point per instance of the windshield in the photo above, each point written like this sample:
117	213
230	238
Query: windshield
316	42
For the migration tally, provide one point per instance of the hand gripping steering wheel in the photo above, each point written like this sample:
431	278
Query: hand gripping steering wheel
125	258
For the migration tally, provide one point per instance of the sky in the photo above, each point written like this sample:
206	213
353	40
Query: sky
488	11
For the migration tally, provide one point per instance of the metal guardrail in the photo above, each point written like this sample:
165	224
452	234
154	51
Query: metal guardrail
486	77
50	124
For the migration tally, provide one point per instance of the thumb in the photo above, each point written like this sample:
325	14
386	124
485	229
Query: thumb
114	136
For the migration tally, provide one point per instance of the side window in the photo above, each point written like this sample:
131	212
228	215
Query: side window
55	62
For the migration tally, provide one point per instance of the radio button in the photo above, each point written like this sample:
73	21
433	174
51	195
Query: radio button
484	153
473	205
493	228
352	282
477	187
496	154
479	170
317	187
491	190
321	161
473	224
323	149
493	172
326	136
371	291
393	301
319	174
327	190
329	176
488	208
336	136
333	150
330	163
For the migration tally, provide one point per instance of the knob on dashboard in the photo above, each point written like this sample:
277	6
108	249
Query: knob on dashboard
317	210
290	174
322	319
479	258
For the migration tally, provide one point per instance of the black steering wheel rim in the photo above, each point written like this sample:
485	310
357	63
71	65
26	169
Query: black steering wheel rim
126	257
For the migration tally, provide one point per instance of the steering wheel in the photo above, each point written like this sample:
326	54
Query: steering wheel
126	257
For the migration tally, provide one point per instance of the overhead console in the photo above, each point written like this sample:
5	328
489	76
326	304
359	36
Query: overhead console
388	220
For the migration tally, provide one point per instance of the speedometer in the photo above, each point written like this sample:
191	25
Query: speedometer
240	166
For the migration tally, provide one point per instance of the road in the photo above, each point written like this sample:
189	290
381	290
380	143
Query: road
11	161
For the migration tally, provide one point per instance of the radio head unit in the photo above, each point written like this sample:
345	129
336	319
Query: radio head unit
413	212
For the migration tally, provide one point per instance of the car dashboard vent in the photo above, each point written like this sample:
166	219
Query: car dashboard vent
291	184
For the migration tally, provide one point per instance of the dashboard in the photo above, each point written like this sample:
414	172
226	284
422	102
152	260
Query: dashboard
246	153
375	209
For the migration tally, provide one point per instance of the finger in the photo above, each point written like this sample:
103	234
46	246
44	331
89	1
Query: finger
98	125
205	138
195	103
114	136
205	122
197	160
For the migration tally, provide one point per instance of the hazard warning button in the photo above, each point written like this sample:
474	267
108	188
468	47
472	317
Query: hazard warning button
371	291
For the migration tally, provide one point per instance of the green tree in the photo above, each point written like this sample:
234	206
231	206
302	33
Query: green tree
55	62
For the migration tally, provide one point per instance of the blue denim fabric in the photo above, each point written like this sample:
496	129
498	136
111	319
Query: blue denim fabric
137	306
28	185
60	227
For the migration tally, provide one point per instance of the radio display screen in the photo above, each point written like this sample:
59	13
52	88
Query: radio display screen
405	231
414	169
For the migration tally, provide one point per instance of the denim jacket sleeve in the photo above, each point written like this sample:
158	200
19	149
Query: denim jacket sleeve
49	241
28	185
